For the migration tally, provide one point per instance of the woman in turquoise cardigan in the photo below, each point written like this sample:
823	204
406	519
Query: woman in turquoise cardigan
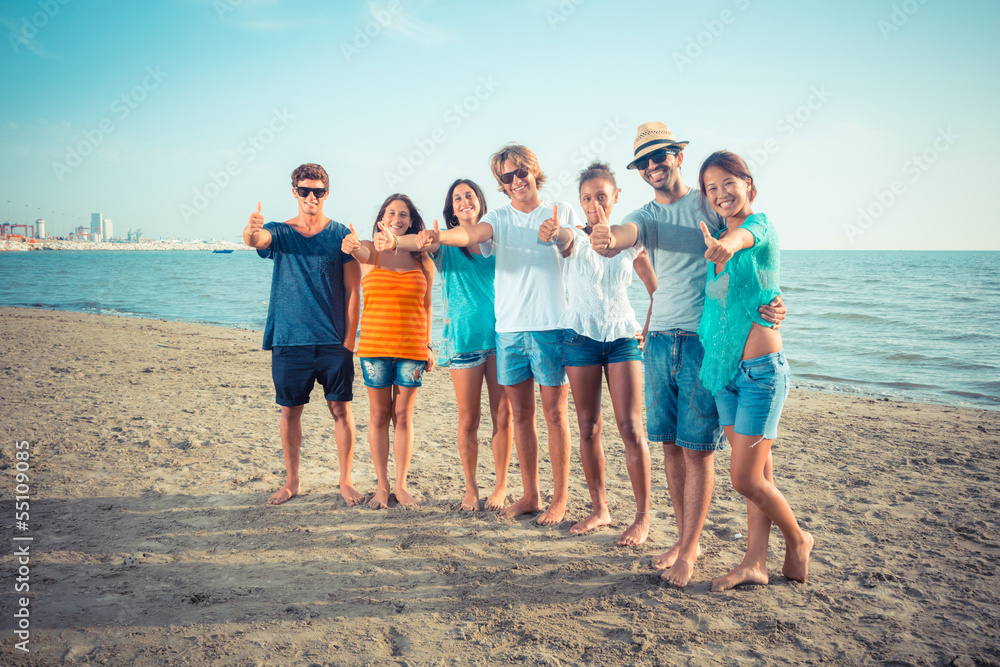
744	366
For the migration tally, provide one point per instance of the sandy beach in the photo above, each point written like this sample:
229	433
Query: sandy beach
154	445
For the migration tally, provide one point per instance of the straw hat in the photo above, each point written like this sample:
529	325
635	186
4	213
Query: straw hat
652	137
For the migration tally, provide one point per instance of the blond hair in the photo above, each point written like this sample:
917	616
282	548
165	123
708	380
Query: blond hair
521	156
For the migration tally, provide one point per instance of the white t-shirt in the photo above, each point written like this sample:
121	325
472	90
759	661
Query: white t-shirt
598	306
529	285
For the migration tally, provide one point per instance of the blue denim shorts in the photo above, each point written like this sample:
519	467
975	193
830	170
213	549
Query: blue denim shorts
530	354
381	372
579	350
470	359
679	408
752	402
295	369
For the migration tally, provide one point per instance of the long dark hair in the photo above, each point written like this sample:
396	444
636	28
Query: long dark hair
416	222
731	163
450	219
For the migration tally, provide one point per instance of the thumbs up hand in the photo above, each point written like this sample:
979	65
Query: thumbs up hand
351	243
601	239
256	220
429	237
718	251
549	230
384	239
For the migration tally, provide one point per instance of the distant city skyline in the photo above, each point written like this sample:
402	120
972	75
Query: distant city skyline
868	125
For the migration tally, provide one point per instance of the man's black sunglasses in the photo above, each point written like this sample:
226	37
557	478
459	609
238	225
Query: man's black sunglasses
304	192
508	178
655	156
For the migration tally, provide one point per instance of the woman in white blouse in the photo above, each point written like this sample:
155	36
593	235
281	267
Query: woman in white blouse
602	337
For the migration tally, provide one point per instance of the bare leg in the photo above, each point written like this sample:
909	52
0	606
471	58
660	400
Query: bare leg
503	435
522	405
291	444
749	459
343	429
468	383
402	441
625	385
697	475
380	414
556	409
753	568
585	381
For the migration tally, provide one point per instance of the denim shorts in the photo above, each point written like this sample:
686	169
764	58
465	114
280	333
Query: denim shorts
530	354
679	408
381	372
470	359
295	369
752	402
579	350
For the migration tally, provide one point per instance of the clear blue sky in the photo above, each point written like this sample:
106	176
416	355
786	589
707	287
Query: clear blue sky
871	125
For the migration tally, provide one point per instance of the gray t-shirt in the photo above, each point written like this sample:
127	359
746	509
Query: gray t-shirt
672	237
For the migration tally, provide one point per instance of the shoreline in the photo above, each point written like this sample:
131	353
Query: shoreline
154	446
831	391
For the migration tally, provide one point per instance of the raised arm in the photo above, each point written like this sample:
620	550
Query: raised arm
431	239
428	268
254	234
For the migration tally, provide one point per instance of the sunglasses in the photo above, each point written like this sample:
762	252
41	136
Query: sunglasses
656	156
304	192
508	178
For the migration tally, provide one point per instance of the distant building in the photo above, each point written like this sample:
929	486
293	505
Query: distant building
108	232
96	226
39	229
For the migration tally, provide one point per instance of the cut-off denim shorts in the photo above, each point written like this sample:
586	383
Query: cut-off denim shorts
467	360
381	372
579	350
752	402
679	408
530	354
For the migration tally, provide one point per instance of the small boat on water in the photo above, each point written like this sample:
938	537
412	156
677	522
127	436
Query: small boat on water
223	252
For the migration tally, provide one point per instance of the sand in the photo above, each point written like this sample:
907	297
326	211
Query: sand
154	446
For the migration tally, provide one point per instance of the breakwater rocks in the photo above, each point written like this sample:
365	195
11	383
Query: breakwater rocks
48	244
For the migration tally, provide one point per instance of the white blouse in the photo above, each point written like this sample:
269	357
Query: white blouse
598	305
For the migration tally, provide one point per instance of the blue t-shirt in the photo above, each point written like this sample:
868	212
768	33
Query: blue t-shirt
468	293
308	303
672	237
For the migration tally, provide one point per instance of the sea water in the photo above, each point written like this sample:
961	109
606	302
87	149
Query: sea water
910	325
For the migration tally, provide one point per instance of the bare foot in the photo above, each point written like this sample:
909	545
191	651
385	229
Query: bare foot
405	500
284	494
637	532
380	500
553	515
741	574
668	557
497	499
599	517
351	495
470	503
796	565
524	505
680	573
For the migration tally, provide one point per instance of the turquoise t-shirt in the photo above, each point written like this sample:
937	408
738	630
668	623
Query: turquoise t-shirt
468	294
748	280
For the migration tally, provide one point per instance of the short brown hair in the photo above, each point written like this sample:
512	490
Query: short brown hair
310	171
521	156
599	171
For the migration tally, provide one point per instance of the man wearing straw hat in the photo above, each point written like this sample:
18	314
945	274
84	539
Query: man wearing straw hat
680	411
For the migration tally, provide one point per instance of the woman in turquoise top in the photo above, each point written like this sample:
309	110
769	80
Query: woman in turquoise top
469	340
744	366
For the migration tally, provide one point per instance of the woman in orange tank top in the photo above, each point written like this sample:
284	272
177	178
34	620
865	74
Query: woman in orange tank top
395	340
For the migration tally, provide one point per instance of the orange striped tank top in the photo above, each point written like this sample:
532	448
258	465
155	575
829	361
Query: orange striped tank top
393	321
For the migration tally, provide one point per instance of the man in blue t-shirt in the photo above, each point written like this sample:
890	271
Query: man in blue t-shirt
312	321
680	411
